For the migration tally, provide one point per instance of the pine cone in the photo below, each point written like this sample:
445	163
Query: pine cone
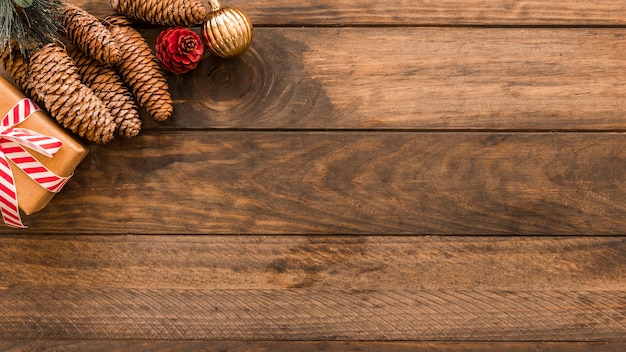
179	50
168	13
141	73
16	66
91	36
108	86
116	20
51	80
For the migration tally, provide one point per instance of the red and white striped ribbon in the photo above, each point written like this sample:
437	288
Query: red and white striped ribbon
12	143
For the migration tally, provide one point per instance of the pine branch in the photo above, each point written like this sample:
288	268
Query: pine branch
30	26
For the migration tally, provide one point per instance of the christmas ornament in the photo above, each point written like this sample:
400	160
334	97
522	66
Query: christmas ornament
51	79
179	50
91	36
108	86
141	73
226	32
162	12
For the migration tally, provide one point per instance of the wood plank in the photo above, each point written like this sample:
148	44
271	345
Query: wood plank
362	263
331	78
347	183
304	288
305	346
36	312
410	78
418	13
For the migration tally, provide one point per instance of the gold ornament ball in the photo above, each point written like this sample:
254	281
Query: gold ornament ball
226	32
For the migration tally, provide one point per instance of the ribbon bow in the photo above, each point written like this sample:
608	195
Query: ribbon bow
12	143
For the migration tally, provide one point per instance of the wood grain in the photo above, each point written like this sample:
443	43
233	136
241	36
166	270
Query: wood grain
410	78
346	183
305	346
346	263
348	128
36	312
419	13
313	289
531	79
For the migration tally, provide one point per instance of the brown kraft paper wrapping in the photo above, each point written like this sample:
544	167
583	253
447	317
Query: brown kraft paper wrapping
32	197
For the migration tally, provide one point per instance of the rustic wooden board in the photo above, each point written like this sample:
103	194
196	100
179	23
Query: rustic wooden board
383	119
307	288
331	78
410	78
346	182
41	312
346	263
418	13
305	346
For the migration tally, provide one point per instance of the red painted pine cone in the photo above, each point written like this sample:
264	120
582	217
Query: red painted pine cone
179	50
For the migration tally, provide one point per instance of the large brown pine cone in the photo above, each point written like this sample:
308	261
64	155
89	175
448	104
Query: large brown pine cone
108	86
142	74
162	12
51	80
90	35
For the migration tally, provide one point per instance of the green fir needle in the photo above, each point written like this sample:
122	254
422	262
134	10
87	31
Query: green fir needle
23	3
30	24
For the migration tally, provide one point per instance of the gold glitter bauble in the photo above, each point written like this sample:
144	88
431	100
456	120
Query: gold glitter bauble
226	32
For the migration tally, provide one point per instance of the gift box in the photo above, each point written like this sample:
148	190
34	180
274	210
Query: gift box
31	195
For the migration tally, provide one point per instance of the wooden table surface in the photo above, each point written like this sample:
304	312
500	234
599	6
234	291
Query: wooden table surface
369	176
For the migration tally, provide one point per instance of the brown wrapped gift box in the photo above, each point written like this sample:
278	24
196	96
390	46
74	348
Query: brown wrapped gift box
32	197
